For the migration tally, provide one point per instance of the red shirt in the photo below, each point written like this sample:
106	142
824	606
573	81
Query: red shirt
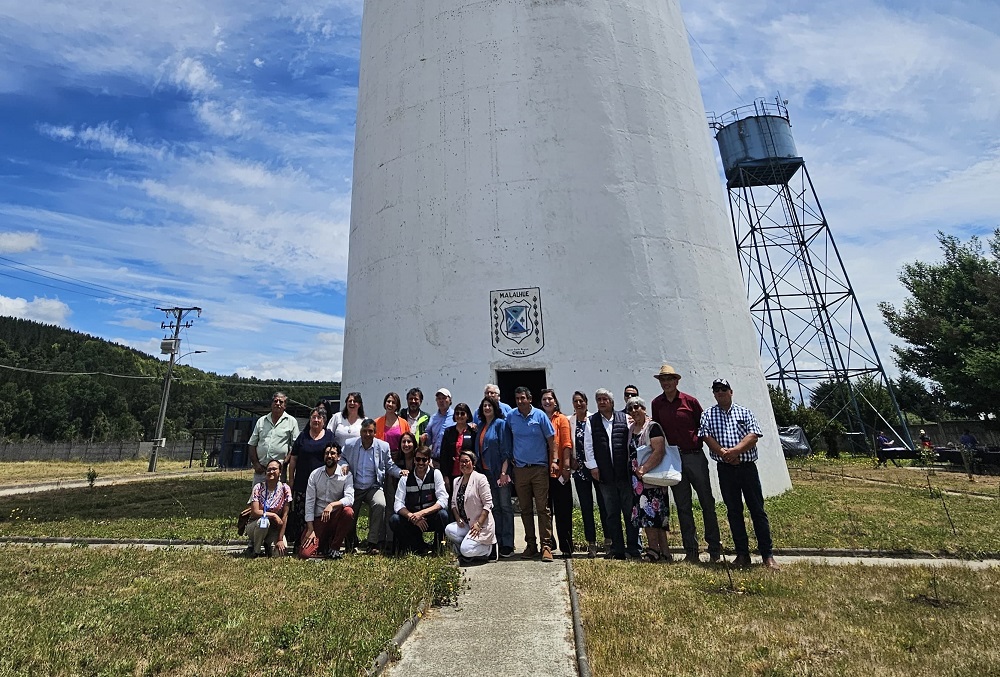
679	419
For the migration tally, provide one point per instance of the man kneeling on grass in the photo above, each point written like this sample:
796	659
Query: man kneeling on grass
420	505
329	515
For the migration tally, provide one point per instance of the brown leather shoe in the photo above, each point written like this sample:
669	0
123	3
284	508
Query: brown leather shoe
546	554
770	564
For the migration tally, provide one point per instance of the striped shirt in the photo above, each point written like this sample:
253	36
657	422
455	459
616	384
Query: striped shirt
728	428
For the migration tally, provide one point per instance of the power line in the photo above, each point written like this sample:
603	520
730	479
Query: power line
715	67
73	373
184	381
75	282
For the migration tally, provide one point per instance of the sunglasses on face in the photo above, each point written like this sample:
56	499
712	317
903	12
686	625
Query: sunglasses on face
421	460
634	407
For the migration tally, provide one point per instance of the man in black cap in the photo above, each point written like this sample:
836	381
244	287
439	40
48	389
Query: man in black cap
731	433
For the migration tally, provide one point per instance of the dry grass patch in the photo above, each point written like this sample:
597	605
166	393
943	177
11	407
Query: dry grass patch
824	512
947	478
130	611
16	473
807	620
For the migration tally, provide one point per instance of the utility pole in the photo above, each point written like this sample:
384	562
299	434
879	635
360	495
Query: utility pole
171	346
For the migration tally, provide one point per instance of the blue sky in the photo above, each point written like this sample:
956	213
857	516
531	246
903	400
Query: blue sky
194	153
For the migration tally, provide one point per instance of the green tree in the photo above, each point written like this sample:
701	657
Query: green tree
951	322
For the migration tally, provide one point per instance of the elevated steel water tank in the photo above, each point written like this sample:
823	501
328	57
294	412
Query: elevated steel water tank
756	145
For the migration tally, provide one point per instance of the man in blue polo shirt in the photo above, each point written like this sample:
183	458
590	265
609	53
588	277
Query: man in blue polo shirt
533	441
443	418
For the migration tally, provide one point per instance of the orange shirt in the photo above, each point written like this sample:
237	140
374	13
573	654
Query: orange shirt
564	438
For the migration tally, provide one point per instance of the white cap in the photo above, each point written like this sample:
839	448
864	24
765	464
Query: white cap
443	391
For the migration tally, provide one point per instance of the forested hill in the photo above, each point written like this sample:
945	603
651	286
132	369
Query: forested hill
96	407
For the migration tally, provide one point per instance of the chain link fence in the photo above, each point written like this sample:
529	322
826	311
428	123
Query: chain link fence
92	452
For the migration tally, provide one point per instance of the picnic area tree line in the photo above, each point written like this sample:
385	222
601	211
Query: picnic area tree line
56	407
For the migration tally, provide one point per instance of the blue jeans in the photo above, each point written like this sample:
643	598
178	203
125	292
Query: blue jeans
694	473
618	500
503	513
742	483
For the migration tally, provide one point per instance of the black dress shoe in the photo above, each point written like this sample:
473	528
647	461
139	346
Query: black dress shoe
742	561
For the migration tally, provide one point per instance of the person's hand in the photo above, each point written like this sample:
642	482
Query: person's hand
404	473
280	545
554	468
475	529
310	539
596	474
326	513
344	469
421	522
276	519
503	480
567	472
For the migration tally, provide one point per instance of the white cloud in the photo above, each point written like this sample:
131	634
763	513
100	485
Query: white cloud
191	74
16	243
259	63
49	311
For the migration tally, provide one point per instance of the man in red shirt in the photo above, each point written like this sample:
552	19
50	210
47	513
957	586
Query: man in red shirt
679	414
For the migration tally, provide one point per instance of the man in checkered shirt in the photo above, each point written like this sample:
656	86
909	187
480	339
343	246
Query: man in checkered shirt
731	433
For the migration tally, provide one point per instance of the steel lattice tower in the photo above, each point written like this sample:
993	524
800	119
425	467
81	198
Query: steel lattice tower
810	326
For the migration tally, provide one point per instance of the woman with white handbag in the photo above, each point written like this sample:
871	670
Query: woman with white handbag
651	510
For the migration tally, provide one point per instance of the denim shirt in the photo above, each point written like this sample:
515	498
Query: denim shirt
495	448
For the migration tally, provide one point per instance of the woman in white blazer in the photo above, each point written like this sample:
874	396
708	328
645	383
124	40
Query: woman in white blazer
473	533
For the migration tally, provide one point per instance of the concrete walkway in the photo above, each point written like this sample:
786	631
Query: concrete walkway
513	621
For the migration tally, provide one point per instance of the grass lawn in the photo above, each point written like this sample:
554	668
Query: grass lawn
194	507
946	477
14	473
824	511
71	611
806	620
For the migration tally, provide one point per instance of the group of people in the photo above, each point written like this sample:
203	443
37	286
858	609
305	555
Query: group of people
453	473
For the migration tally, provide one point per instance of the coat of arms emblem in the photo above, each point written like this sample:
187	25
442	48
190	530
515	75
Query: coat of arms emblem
517	321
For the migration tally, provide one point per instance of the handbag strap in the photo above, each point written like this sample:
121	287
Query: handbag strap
644	437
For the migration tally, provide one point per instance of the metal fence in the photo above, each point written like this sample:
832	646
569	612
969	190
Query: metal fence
176	450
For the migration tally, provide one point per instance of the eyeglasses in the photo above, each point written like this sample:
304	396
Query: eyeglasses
634	407
420	459
460	413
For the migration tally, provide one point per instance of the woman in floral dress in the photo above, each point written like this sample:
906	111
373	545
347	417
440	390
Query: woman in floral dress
651	510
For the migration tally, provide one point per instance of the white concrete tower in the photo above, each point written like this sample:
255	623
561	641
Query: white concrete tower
536	200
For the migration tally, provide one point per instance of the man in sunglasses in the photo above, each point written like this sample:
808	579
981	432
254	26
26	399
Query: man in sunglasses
421	505
272	438
731	433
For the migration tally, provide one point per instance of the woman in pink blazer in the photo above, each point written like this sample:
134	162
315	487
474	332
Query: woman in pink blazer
473	533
